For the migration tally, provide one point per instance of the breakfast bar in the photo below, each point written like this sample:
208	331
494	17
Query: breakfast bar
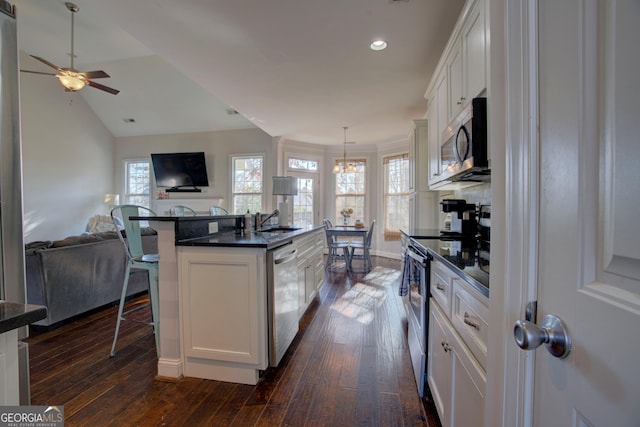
213	287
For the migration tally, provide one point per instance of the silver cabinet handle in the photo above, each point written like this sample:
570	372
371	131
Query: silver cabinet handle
440	287
445	346
468	320
551	332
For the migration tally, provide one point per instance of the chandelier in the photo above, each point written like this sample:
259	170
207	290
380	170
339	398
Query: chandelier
344	168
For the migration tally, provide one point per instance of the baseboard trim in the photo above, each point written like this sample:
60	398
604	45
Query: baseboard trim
170	368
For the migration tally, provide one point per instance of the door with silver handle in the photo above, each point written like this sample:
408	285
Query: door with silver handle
551	332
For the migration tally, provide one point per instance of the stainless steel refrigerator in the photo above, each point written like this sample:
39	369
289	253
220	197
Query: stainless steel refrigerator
12	279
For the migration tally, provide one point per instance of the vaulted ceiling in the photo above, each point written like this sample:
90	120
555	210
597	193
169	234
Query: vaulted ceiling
297	69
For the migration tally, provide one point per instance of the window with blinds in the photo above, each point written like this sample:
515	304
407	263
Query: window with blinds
350	190
395	195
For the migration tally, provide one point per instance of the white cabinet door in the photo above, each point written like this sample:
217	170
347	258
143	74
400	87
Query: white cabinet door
466	62
223	306
440	364
455	78
438	120
456	379
474	53
469	385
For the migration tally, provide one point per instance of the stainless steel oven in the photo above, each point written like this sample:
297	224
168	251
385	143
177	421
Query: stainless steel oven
417	305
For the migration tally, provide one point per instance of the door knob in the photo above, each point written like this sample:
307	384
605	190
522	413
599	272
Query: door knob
551	332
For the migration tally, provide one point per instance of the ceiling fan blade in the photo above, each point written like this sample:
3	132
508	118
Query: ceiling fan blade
37	72
44	61
95	74
103	87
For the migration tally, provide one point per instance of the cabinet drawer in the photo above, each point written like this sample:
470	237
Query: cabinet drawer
469	318
441	284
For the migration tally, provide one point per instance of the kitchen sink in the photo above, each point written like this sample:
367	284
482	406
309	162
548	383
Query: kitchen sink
279	230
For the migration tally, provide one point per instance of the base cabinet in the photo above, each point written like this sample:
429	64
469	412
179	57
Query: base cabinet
456	379
223	309
310	268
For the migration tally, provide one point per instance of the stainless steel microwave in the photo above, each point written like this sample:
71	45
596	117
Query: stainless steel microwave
463	150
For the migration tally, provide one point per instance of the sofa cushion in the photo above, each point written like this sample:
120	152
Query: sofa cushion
76	240
33	247
100	223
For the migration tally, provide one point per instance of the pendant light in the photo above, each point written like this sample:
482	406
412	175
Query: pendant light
350	168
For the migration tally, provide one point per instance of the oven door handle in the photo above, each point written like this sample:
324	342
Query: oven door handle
416	256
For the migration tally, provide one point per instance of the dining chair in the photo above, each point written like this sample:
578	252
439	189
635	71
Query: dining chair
364	249
180	210
130	236
217	210
335	246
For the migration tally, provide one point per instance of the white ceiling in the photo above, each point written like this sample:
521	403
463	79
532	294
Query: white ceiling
294	68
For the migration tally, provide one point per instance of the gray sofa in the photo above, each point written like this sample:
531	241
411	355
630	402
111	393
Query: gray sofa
80	273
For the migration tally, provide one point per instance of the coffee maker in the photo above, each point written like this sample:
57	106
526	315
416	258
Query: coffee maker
461	218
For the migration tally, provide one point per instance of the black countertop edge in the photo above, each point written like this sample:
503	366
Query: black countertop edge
422	236
422	233
14	315
253	239
181	218
470	280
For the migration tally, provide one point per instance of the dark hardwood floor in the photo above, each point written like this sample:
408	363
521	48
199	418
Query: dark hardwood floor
348	366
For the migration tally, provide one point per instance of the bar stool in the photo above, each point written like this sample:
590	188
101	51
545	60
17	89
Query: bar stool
137	259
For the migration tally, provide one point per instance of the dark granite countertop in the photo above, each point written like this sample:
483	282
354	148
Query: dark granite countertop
460	255
14	316
253	239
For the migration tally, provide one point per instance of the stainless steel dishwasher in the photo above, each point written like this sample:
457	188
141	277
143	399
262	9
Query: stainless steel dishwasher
283	300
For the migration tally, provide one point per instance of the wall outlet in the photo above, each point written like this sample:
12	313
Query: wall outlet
213	227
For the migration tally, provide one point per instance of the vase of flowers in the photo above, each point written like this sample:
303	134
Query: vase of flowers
346	214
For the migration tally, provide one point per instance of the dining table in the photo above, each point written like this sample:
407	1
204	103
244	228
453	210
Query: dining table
348	231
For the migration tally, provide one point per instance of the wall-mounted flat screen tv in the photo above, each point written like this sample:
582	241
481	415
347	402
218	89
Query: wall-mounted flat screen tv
180	171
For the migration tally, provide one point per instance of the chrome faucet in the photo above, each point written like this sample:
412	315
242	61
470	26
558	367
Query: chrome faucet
259	223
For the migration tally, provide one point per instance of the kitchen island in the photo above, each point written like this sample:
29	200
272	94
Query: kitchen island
213	293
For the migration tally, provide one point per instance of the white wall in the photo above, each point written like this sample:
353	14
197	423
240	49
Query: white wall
67	160
217	146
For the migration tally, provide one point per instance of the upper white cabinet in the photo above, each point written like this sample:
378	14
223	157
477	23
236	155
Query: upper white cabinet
474	50
455	77
418	156
437	116
466	61
460	76
422	203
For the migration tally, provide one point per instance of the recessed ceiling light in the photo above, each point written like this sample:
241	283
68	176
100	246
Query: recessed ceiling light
378	45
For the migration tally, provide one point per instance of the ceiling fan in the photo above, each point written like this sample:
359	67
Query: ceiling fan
72	79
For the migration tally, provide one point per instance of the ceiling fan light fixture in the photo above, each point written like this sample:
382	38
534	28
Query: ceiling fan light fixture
71	83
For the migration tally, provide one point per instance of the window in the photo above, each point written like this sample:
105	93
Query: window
137	182
247	185
396	195
302	164
350	190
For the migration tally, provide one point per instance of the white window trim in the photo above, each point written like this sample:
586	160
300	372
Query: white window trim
231	177
125	178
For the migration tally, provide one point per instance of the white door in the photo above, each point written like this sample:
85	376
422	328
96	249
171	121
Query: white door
588	271
305	204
